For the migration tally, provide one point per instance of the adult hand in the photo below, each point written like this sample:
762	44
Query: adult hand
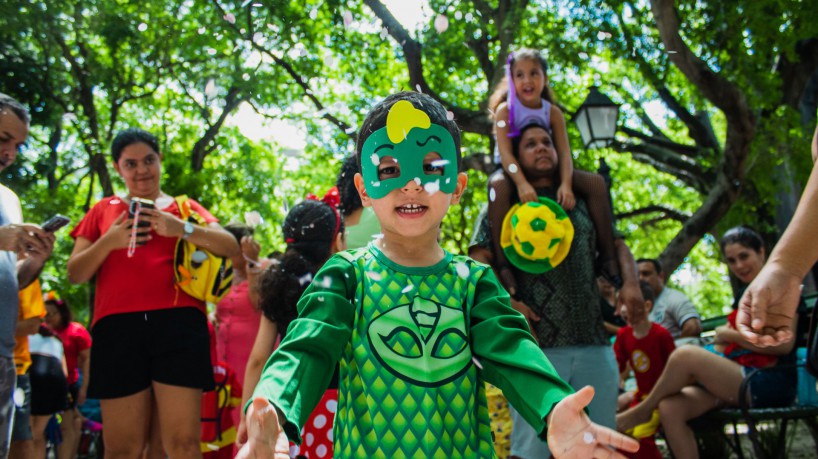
766	310
526	193
565	197
571	434
265	437
630	297
250	248
528	313
20	237
164	223
39	252
118	235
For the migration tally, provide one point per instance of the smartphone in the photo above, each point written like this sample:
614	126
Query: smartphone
54	223
139	204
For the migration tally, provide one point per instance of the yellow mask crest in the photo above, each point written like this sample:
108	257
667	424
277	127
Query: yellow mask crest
402	117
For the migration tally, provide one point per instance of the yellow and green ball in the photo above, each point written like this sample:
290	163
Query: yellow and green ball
536	236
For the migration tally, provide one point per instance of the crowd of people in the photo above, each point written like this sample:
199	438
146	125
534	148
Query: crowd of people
365	338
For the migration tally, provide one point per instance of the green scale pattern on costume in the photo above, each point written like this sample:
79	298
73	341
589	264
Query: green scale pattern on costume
382	415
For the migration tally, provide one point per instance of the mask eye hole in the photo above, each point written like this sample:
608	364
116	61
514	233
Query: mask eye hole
433	164
388	168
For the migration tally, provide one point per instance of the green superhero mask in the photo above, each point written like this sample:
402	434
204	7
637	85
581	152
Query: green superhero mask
423	342
408	137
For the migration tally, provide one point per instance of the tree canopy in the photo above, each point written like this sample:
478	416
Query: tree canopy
718	104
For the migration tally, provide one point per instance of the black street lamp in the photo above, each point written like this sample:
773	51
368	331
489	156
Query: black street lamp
596	119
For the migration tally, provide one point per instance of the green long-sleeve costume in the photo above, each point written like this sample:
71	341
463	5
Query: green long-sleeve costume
415	346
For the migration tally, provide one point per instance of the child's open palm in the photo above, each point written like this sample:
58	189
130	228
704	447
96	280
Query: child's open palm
571	434
266	439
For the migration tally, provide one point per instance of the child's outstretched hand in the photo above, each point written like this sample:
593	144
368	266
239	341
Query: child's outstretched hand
565	197
571	434
526	192
265	437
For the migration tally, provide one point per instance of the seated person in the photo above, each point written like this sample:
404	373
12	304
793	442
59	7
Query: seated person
696	381
672	309
646	346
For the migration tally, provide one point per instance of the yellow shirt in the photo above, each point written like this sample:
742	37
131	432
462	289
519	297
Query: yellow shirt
31	305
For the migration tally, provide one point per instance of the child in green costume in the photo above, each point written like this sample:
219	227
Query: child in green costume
416	329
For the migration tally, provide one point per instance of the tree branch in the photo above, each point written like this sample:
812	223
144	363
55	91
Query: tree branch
299	80
667	212
640	111
722	93
203	147
668	162
697	131
685	152
468	120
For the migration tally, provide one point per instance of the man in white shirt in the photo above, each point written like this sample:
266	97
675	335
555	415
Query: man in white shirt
15	237
671	309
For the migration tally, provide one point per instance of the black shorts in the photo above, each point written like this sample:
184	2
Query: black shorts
48	385
130	350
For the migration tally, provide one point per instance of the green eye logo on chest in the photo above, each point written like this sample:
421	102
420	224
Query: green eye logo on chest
422	342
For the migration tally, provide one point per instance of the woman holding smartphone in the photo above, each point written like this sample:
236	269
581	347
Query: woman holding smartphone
150	338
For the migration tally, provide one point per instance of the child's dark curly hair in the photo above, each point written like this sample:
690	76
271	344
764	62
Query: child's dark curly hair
310	230
350	199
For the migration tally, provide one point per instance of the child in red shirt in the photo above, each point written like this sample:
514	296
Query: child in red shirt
646	346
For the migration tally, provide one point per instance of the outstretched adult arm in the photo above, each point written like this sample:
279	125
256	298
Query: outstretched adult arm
769	303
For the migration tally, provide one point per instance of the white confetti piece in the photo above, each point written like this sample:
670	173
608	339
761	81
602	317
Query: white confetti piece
229	17
493	194
477	362
501	124
432	187
19	397
407	289
253	218
305	279
512	169
462	270
375	160
441	23
211	91
373	275
450	115
142	27
588	438
347	18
